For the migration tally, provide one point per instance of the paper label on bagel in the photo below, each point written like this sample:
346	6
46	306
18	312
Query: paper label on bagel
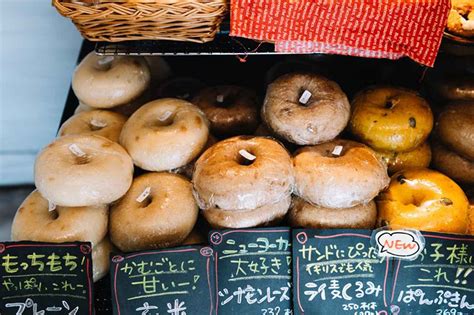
304	98
220	98
105	60
144	194
51	206
74	148
399	244
98	123
337	150
246	154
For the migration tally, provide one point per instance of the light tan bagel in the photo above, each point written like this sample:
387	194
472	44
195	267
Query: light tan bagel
108	81
455	128
165	134
235	219
102	175
163	219
188	169
96	122
224	178
453	165
304	214
34	222
323	117
231	110
355	176
101	259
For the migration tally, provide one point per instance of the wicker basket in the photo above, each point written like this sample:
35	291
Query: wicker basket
121	20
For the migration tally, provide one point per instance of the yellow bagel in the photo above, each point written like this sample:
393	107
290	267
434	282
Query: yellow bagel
391	118
33	222
425	200
397	161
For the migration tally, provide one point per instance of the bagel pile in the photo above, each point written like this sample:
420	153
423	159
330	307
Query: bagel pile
461	18
141	159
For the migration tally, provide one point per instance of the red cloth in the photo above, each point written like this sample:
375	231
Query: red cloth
369	28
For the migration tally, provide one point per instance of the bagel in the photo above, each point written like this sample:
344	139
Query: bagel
470	229
457	88
455	128
391	118
304	214
83	170
101	259
321	119
353	177
231	110
397	161
96	122
425	200
461	18
164	218
165	134
452	164
266	215
34	222
188	169
224	178
104	82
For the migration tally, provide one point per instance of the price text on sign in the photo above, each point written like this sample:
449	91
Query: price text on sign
171	281
338	272
253	271
44	278
440	280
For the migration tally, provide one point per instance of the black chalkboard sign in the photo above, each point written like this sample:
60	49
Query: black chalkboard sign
338	272
175	281
44	278
440	281
253	268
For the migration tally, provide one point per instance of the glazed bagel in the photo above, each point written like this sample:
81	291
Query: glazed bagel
96	122
452	164
165	134
355	176
457	88
470	229
391	118
99	173
455	128
425	200
34	222
304	214
101	259
396	161
163	219
231	110
321	119
266	215
224	178
104	82
184	88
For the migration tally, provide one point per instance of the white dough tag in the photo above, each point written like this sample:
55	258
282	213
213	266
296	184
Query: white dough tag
165	115
144	194
337	150
105	60
74	148
98	123
467	25
220	98
246	154
304	98
51	206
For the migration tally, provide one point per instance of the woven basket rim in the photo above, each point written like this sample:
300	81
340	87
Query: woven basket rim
97	2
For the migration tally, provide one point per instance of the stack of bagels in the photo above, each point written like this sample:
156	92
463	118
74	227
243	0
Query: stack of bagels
134	172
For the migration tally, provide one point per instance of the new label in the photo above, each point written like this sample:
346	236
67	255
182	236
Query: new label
401	244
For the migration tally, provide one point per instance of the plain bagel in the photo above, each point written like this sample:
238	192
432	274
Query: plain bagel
235	219
104	82
455	128
83	170
95	122
34	222
304	214
231	110
318	119
339	174
165	134
452	164
101	259
225	178
158	211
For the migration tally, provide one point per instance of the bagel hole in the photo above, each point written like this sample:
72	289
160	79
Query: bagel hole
165	120
244	161
54	214
227	100
81	160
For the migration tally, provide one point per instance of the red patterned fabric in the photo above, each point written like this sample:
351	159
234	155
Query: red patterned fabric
369	28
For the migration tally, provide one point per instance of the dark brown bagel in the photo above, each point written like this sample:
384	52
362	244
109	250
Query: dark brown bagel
452	164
